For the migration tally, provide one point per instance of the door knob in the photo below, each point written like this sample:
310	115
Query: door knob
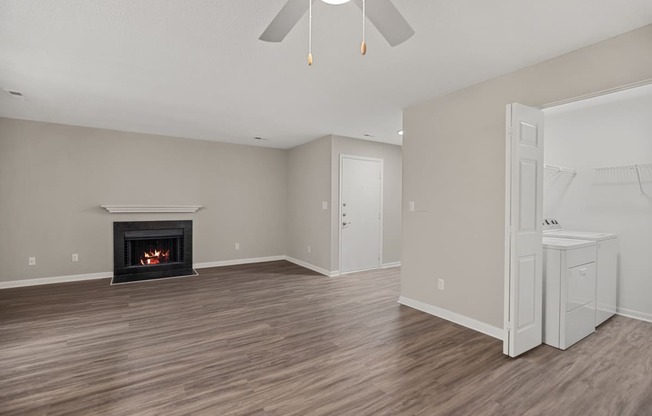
344	224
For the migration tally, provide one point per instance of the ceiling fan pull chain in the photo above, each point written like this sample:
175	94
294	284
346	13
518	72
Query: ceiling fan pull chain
310	33
363	45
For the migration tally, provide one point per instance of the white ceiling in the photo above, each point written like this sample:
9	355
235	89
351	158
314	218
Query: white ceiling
196	69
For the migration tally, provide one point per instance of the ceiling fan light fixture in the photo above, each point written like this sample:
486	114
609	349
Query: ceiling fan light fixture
385	17
363	45
309	32
335	2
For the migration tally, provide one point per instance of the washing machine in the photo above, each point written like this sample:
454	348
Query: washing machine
606	265
569	276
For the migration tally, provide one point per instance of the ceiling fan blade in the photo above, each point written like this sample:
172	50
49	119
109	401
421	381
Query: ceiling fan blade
285	20
388	20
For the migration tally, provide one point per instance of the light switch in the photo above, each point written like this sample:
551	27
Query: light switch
411	205
324	205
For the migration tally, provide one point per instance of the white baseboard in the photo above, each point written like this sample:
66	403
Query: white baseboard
361	270
312	267
470	323
56	279
641	316
382	266
237	261
102	275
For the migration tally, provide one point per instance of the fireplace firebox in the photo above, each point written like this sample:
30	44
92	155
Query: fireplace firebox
144	250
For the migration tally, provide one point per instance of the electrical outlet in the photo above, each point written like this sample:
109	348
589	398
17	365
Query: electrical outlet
75	257
31	261
237	246
440	284
309	249
411	206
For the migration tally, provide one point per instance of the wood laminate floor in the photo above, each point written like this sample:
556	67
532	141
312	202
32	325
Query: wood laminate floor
277	339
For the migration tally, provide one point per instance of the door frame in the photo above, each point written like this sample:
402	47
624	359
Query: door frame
508	231
339	208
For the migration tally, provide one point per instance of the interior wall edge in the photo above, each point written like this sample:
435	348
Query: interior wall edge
640	316
312	267
442	313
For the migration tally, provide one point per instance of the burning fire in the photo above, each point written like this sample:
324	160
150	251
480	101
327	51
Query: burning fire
155	257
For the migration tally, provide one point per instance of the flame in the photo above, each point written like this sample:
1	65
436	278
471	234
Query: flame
155	257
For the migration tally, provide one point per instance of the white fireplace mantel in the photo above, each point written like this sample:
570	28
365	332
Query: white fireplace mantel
131	209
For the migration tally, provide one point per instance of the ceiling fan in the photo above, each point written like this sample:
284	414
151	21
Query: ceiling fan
382	14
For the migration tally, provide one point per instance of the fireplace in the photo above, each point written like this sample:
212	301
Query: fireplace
144	250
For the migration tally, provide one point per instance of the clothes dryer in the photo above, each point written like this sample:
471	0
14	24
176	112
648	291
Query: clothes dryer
606	265
569	274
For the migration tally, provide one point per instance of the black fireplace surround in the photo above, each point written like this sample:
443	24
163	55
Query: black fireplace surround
144	250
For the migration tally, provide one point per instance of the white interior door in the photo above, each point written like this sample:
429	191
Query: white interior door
524	247
361	190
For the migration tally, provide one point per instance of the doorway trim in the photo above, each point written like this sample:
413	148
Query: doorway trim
339	210
595	94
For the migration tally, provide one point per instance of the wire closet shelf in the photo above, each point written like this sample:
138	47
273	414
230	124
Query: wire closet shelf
639	173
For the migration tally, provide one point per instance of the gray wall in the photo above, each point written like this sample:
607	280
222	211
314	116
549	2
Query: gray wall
454	170
53	179
313	178
392	160
308	185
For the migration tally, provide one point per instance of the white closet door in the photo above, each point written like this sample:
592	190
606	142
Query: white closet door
524	248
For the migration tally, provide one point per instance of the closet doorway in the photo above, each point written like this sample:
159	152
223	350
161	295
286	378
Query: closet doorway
596	175
598	178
